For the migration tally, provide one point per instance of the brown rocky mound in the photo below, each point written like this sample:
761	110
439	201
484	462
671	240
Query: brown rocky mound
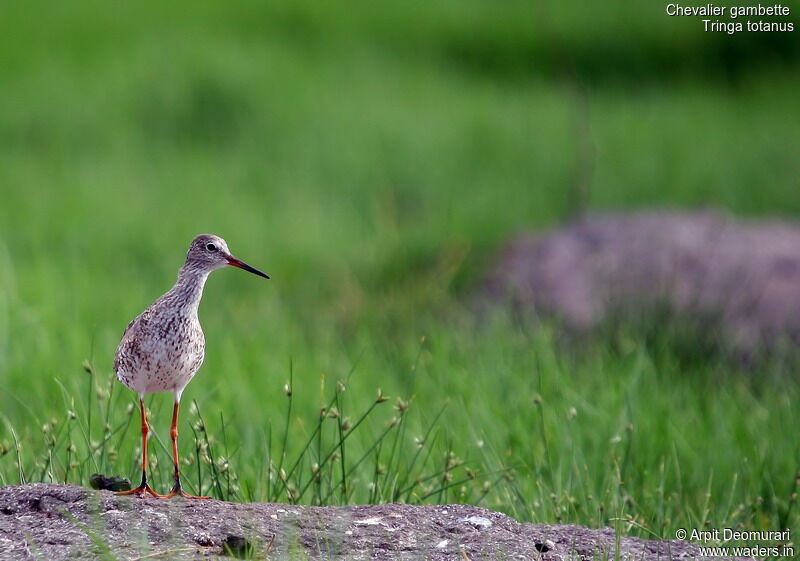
58	522
739	281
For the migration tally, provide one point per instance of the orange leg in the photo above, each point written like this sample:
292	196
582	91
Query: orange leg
173	434
143	487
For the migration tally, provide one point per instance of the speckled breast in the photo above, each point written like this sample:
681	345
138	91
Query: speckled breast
160	352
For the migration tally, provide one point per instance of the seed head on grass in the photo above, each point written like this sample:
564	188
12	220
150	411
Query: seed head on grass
204	455
401	406
102	393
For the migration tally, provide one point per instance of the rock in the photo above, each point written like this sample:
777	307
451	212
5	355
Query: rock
60	522
113	483
477	521
735	280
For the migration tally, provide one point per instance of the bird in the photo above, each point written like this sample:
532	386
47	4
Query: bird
163	347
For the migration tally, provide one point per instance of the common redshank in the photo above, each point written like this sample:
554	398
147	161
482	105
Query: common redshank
163	347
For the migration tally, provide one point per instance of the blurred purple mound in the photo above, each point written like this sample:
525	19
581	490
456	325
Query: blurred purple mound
739	279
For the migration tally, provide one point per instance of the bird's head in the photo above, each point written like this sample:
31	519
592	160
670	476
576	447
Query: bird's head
209	252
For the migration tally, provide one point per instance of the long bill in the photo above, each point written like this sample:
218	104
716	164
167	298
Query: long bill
242	265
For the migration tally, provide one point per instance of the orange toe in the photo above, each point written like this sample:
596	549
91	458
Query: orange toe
185	495
141	490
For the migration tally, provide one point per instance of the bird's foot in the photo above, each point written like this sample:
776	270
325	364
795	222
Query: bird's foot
141	491
184	494
177	491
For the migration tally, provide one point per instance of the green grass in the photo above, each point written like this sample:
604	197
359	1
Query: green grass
372	164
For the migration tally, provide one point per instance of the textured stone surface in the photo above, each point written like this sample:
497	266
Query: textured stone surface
57	522
741	277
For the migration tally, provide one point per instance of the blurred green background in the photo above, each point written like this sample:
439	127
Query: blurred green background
371	156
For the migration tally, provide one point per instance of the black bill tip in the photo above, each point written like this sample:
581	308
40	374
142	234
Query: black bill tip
242	265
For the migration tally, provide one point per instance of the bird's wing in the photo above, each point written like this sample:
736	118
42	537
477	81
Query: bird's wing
129	326
121	346
125	341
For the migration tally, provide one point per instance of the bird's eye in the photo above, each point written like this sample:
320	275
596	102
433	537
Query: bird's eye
211	247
